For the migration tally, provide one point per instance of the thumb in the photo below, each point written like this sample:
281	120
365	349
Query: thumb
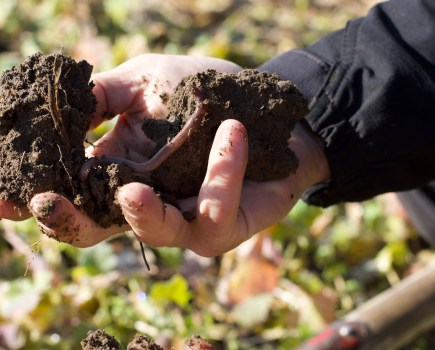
220	194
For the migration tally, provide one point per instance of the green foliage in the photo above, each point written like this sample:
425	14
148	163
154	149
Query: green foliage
254	311
174	290
97	260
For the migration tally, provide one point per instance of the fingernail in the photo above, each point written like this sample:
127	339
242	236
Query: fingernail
232	136
128	204
42	207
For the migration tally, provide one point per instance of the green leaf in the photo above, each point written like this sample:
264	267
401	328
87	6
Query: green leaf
253	311
99	258
117	10
22	296
175	290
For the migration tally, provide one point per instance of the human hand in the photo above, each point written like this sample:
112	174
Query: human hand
136	89
228	210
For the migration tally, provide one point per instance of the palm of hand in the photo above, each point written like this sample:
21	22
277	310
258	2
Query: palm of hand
139	89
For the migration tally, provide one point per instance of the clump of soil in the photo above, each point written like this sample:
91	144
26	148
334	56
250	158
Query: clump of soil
142	342
197	343
267	107
100	340
45	108
46	105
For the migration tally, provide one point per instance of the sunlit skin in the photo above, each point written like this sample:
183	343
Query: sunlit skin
142	168
228	210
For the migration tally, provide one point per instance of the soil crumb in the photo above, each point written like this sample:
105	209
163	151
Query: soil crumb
197	343
142	342
46	104
99	340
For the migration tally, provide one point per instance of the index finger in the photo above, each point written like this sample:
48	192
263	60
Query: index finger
115	92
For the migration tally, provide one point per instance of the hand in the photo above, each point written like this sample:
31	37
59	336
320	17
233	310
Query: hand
228	210
135	90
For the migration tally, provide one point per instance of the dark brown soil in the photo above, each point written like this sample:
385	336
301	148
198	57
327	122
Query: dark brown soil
34	156
142	342
266	106
99	340
197	343
45	109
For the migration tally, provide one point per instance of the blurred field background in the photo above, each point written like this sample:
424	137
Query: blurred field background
273	292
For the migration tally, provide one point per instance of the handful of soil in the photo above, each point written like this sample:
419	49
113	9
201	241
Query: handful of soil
46	105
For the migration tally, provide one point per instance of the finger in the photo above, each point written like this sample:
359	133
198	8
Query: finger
9	211
132	88
154	222
158	224
58	218
115	92
142	84
219	197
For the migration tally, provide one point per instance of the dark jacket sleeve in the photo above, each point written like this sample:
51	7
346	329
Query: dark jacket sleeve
372	99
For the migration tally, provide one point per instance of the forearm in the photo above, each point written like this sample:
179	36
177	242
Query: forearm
372	92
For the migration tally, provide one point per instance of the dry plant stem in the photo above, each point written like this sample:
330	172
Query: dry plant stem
167	150
53	96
